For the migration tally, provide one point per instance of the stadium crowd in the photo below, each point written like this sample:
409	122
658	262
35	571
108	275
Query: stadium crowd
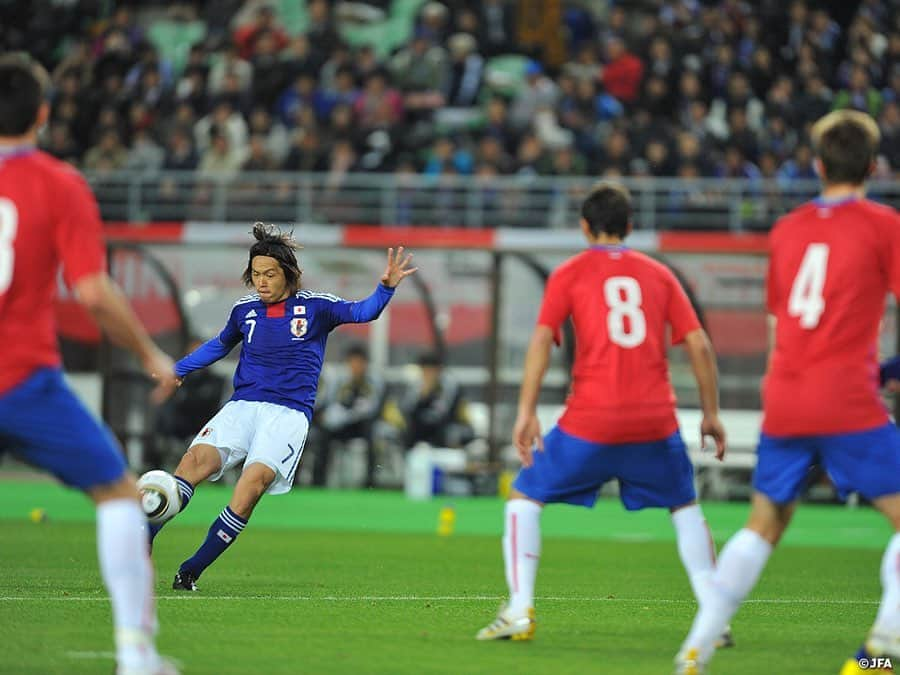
658	87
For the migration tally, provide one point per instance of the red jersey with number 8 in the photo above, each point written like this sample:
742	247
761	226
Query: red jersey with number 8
831	266
48	218
626	309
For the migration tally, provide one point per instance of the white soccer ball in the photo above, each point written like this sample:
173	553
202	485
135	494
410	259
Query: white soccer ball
159	496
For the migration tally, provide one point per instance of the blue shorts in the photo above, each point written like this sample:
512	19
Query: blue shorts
43	422
867	462
572	470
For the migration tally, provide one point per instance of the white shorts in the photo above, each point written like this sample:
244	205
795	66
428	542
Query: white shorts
251	432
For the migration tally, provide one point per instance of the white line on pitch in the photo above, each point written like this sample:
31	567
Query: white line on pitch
91	655
435	598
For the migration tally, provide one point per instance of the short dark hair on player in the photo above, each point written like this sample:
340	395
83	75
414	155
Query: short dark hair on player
272	242
846	142
608	210
23	87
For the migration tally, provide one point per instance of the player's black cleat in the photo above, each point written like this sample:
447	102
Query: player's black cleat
184	581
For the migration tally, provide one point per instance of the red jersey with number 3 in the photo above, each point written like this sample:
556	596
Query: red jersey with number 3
48	218
626	309
830	269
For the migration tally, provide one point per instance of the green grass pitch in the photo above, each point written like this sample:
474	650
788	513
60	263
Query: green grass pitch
356	582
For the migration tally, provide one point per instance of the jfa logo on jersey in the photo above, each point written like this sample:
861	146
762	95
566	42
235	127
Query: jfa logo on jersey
298	327
299	310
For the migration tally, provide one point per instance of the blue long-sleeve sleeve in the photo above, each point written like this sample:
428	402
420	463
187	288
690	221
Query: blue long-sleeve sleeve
211	351
206	354
362	311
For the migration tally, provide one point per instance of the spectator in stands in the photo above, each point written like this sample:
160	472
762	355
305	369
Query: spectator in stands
258	156
421	72
145	154
859	94
60	144
228	122
320	27
379	106
180	154
231	63
349	410
108	154
300	57
497	26
622	72
434	408
268	71
466	72
220	158
539	92
303	93
274	134
262	23
305	152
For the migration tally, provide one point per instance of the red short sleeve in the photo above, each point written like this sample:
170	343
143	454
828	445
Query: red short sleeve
556	307
681	314
79	232
894	238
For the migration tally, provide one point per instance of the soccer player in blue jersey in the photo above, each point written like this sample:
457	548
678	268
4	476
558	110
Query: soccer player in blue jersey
283	331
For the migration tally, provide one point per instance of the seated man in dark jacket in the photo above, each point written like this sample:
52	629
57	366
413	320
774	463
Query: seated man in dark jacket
434	409
349	410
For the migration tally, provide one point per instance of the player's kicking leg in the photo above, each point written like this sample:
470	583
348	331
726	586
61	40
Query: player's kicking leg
739	567
698	554
521	553
253	483
199	463
128	576
883	641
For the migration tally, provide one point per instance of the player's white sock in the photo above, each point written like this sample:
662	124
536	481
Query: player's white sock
887	623
128	575
740	564
696	548
521	551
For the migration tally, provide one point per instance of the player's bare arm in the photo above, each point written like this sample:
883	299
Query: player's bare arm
527	429
104	300
703	363
398	267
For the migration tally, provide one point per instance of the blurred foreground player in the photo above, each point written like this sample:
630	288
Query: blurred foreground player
619	421
263	428
50	220
832	262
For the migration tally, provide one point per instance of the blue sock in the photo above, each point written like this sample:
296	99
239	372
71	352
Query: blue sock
186	490
221	535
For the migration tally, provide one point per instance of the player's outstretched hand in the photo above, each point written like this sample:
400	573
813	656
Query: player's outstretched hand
712	426
160	367
397	267
527	438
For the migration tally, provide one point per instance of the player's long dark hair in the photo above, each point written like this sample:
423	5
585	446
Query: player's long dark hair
272	242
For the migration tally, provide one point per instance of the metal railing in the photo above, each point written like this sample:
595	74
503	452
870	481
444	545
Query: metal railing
458	201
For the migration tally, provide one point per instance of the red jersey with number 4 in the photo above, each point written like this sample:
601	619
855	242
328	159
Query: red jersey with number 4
831	267
48	218
626	308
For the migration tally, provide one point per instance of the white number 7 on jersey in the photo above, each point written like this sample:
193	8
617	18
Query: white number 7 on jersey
806	301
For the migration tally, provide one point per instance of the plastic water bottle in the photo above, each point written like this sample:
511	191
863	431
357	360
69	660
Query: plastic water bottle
419	476
446	521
